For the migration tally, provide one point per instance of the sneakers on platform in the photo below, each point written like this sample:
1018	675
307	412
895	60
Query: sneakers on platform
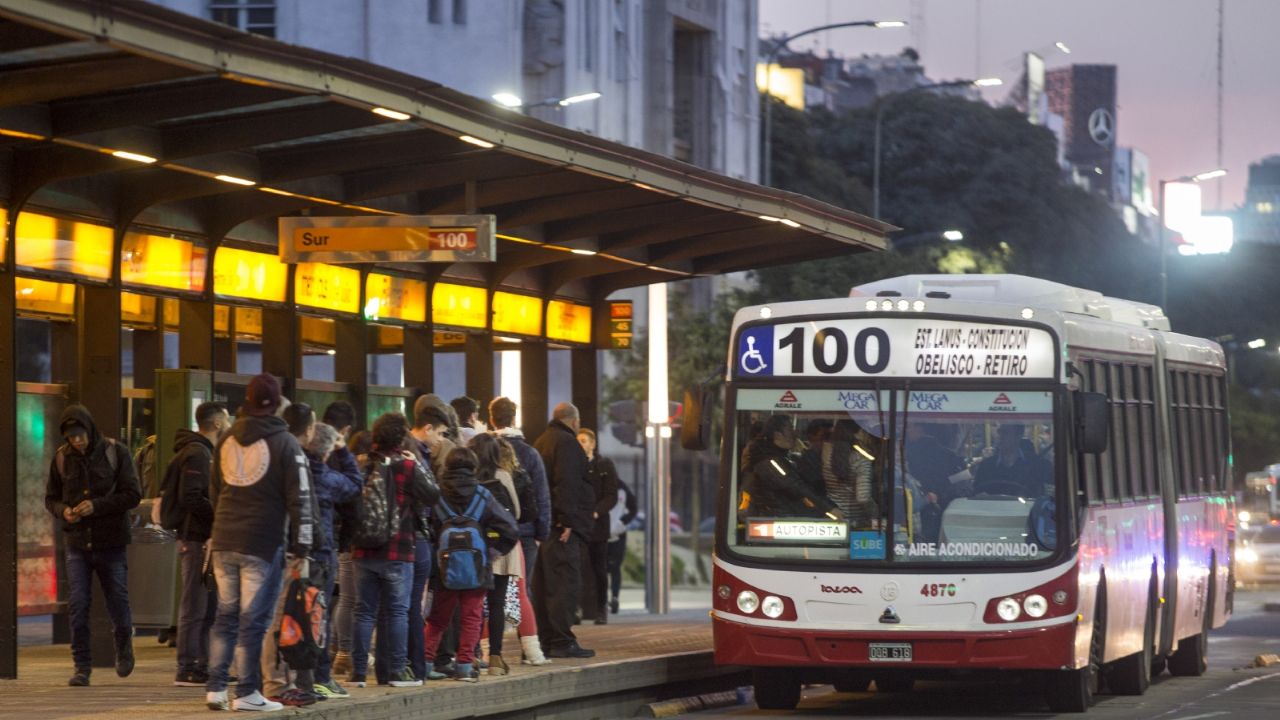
217	700
254	702
331	690
405	678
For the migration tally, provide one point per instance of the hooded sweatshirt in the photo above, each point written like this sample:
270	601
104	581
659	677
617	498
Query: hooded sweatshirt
457	487
89	476
192	461
332	488
261	490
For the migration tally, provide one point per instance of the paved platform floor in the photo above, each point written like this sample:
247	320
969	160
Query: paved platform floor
632	650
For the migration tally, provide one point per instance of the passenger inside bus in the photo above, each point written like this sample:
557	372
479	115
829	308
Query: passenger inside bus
841	468
1014	468
772	486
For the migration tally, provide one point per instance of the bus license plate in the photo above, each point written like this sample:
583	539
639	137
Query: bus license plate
889	652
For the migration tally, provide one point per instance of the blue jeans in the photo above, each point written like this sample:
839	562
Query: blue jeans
196	610
113	574
386	582
248	587
421	573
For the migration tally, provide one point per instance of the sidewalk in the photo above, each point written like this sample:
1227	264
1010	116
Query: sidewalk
634	651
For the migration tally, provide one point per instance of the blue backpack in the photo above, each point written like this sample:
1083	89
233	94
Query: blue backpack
463	554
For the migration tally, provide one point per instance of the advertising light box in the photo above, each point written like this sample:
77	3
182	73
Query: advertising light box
79	248
249	275
162	262
568	321
328	287
390	297
459	305
519	314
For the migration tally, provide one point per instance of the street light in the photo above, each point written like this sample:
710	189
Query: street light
768	80
951	235
511	100
883	104
1161	240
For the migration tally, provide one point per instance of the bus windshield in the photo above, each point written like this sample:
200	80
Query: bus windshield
925	476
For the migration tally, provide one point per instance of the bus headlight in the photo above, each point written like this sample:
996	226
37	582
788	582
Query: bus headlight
1035	605
772	606
1248	556
1008	610
748	601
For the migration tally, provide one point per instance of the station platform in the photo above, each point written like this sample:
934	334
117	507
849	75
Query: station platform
639	659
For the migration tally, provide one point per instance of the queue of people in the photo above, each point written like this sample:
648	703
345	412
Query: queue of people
416	526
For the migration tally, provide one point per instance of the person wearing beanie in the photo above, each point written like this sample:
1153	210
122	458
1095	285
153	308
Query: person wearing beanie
261	495
91	488
458	486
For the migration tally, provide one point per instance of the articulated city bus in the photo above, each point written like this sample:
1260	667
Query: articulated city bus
964	473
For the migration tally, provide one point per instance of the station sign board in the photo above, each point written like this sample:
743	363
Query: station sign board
388	238
621	324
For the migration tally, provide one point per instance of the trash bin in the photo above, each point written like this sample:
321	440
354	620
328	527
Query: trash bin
153	570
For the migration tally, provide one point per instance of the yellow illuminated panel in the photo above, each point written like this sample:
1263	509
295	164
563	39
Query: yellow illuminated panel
328	287
44	298
163	262
171	314
567	321
221	320
138	310
390	337
444	338
786	84
388	297
249	275
4	234
79	248
248	323
318	331
459	305
520	314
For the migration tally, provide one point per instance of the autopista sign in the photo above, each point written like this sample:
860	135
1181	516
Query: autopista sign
398	238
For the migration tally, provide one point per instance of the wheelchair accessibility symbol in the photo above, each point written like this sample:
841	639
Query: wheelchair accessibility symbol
755	351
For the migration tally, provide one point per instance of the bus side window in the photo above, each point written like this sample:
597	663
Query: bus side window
1089	464
1118	451
1133	431
1147	415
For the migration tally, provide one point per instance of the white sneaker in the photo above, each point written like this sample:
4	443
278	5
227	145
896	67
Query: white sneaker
256	703
216	700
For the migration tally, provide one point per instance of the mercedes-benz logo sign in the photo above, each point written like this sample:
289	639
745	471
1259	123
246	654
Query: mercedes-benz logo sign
1102	126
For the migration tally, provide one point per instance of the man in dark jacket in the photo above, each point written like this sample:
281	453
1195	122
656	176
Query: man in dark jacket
261	495
188	476
502	415
91	488
772	485
558	576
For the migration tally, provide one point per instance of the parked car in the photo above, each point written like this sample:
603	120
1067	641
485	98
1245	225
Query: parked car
1258	558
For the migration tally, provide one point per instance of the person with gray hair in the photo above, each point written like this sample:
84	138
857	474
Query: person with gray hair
558	575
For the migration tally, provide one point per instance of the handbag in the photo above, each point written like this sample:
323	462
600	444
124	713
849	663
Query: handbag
207	577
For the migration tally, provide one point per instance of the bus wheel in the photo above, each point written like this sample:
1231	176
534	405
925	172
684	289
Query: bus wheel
1132	675
895	684
1191	658
852	683
776	688
1072	691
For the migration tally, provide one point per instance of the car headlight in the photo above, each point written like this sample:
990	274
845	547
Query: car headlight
1248	555
772	606
748	601
1008	609
1035	605
1245	516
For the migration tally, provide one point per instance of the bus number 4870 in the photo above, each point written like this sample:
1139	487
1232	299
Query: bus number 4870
938	590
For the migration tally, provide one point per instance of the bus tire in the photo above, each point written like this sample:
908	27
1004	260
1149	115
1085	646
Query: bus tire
1132	675
852	683
895	684
776	688
1072	691
1191	659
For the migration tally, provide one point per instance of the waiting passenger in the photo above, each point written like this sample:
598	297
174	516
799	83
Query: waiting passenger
772	486
1012	470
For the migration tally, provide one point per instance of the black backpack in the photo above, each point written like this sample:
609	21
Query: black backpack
500	494
526	495
303	633
171	515
376	516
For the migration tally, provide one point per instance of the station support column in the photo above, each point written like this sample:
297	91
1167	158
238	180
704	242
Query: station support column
657	576
479	363
534	411
8	471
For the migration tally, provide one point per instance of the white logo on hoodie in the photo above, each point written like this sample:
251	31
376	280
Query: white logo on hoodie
244	465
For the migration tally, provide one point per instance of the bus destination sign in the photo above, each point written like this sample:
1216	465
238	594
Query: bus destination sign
371	238
894	347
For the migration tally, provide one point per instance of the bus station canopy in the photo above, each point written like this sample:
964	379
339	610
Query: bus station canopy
129	113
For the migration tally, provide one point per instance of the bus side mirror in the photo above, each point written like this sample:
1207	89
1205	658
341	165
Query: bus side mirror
1092	422
695	430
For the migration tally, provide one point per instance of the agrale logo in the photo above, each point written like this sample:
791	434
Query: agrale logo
788	401
842	589
1002	403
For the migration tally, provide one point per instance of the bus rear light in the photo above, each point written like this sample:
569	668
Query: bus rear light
1031	604
735	596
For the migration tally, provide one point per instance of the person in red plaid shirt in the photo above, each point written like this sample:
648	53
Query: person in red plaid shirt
384	575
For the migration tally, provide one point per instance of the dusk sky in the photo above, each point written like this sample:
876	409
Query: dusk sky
1164	50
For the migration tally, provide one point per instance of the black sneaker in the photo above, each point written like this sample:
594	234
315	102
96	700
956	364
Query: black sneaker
572	650
80	678
613	606
191	678
124	659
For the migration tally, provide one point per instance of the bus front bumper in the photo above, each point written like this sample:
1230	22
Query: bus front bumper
1043	648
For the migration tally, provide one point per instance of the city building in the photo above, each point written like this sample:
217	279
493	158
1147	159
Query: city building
1258	220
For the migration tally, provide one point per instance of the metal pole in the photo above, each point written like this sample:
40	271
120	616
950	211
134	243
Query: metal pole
767	160
658	547
875	163
1164	259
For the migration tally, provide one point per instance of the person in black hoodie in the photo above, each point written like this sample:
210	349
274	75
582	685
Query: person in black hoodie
91	488
261	494
458	486
558	575
772	485
188	474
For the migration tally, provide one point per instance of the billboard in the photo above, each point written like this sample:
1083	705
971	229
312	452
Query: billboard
1141	196
1121	180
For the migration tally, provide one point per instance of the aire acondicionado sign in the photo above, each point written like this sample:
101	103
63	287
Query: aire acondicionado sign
398	238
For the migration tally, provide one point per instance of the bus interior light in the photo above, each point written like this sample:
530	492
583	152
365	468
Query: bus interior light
772	606
748	601
1035	606
1008	609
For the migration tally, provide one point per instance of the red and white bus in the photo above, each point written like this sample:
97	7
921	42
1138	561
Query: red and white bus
962	473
